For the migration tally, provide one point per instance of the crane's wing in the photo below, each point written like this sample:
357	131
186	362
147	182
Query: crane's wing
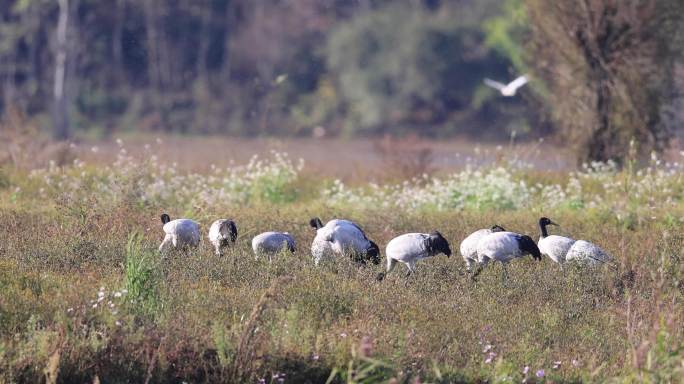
494	84
519	82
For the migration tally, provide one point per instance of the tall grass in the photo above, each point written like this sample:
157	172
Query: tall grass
85	294
142	276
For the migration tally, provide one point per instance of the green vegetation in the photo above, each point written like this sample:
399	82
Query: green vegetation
142	275
86	296
253	68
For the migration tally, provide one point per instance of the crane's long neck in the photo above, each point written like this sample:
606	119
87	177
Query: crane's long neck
542	227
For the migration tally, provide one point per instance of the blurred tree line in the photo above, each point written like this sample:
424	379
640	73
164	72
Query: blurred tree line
258	67
351	67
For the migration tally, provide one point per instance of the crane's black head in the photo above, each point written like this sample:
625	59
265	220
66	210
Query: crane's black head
497	228
526	244
373	253
229	227
437	244
316	223
165	218
544	221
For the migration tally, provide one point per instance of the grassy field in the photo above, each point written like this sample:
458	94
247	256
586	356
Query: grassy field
87	298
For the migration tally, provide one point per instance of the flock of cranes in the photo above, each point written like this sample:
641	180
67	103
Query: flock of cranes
344	238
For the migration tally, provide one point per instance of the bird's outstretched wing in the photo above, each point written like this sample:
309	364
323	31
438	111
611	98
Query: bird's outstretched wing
519	82
494	84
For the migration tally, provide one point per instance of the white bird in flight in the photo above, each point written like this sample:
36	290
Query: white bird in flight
509	89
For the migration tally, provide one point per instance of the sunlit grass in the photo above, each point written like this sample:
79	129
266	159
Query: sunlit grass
84	296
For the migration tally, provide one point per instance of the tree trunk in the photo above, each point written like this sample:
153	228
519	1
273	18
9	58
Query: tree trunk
154	61
60	114
205	36
117	41
152	36
230	19
597	146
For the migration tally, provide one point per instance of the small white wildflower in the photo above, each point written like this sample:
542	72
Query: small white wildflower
343	335
118	323
117	294
95	305
94	149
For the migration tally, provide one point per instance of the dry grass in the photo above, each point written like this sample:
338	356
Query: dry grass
612	322
64	317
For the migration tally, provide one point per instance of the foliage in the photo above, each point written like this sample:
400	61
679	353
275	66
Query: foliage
623	196
503	32
414	73
143	182
608	66
142	276
261	68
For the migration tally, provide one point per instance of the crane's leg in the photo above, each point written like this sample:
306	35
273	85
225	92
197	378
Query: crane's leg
481	265
411	269
165	245
469	265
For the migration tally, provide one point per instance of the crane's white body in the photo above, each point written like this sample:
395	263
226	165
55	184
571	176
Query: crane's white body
271	243
555	247
586	252
509	89
468	246
338	237
219	236
180	233
499	246
407	249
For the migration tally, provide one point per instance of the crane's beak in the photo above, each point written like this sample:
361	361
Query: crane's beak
552	223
